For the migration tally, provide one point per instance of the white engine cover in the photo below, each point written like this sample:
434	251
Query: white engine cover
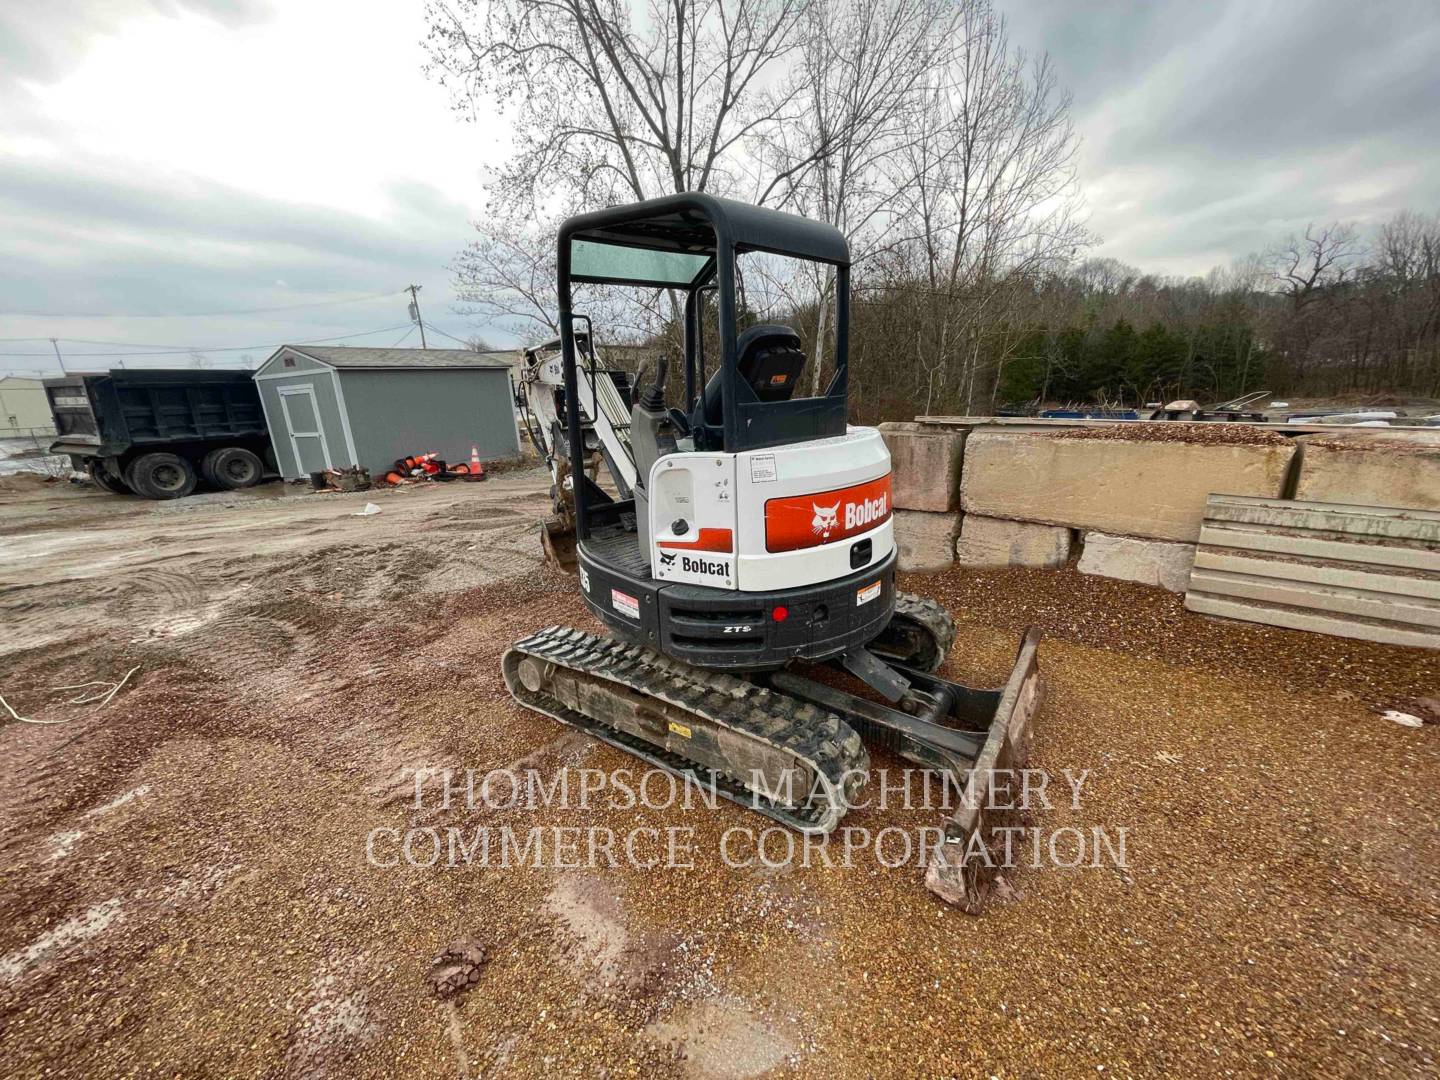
771	519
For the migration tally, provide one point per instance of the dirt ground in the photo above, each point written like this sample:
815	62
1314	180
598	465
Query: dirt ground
185	888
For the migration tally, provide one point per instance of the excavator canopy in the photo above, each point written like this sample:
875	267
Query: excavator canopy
671	242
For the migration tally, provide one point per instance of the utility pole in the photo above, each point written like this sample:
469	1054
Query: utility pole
414	291
56	346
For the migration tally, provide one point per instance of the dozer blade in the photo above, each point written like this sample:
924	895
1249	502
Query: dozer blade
962	870
971	736
557	539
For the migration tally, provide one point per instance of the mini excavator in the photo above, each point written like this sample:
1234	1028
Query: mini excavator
744	560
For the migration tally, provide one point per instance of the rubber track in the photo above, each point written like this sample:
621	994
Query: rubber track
934	620
824	742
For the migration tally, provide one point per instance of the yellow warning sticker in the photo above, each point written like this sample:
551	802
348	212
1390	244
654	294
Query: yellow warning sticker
678	729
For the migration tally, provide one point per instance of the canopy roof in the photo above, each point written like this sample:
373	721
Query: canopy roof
671	241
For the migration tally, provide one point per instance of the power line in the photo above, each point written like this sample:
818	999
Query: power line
195	314
185	349
436	330
409	330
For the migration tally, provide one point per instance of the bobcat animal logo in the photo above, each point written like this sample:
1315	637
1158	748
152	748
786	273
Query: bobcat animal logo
825	519
667	559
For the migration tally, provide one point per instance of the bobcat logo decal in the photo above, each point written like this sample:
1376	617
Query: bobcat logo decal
666	559
826	519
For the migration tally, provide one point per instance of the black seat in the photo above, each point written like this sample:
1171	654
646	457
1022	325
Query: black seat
770	362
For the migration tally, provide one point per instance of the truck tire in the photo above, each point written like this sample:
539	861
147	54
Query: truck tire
104	480
207	469
232	467
161	476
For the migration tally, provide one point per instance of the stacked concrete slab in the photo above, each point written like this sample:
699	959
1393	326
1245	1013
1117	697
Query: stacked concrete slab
925	471
1129	502
1371	468
1353	571
1132	502
991	542
1147	488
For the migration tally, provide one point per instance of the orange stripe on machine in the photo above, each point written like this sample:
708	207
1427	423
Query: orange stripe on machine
721	540
801	521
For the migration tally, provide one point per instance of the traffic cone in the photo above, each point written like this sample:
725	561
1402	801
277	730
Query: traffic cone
474	458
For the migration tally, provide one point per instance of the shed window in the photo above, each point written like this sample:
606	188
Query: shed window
289	361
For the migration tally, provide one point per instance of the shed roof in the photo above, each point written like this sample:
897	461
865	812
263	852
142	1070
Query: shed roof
348	356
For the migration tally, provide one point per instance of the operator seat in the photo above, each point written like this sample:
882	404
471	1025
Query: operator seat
770	360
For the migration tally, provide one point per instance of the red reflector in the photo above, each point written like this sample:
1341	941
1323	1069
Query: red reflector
780	614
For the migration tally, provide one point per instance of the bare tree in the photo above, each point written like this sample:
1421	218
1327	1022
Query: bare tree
609	106
911	125
1305	266
861	77
993	202
506	276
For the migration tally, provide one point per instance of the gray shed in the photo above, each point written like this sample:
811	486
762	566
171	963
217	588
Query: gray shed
332	406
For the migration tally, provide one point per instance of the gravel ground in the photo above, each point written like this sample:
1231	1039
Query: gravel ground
184	887
1213	434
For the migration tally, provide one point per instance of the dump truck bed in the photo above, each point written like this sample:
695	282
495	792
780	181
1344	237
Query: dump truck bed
109	415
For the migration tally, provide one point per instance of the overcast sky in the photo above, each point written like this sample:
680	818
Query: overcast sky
166	160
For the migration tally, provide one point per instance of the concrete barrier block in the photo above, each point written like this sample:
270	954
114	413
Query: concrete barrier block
926	541
925	466
1150	482
1369	572
1371	468
1150	562
988	542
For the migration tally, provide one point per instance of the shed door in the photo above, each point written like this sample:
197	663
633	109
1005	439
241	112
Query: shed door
307	435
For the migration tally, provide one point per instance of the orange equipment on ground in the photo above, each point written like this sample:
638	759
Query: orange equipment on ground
415	468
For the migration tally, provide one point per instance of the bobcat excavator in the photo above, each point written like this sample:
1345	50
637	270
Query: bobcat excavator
745	563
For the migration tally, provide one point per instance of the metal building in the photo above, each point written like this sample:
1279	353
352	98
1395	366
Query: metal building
335	406
24	408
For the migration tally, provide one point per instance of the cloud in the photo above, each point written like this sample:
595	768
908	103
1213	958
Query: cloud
1213	129
169	156
84	239
42	41
184	156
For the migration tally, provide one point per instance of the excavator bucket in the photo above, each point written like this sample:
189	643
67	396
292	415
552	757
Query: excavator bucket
557	538
962	870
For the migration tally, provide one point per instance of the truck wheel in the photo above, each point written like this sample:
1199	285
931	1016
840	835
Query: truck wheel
207	468
233	467
161	476
103	479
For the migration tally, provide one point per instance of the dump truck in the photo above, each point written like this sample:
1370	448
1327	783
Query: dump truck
159	433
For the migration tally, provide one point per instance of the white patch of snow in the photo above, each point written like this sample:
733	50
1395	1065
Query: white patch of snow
62	843
1403	718
118	801
80	928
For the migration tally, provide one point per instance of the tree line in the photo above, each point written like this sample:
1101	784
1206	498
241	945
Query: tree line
1332	311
